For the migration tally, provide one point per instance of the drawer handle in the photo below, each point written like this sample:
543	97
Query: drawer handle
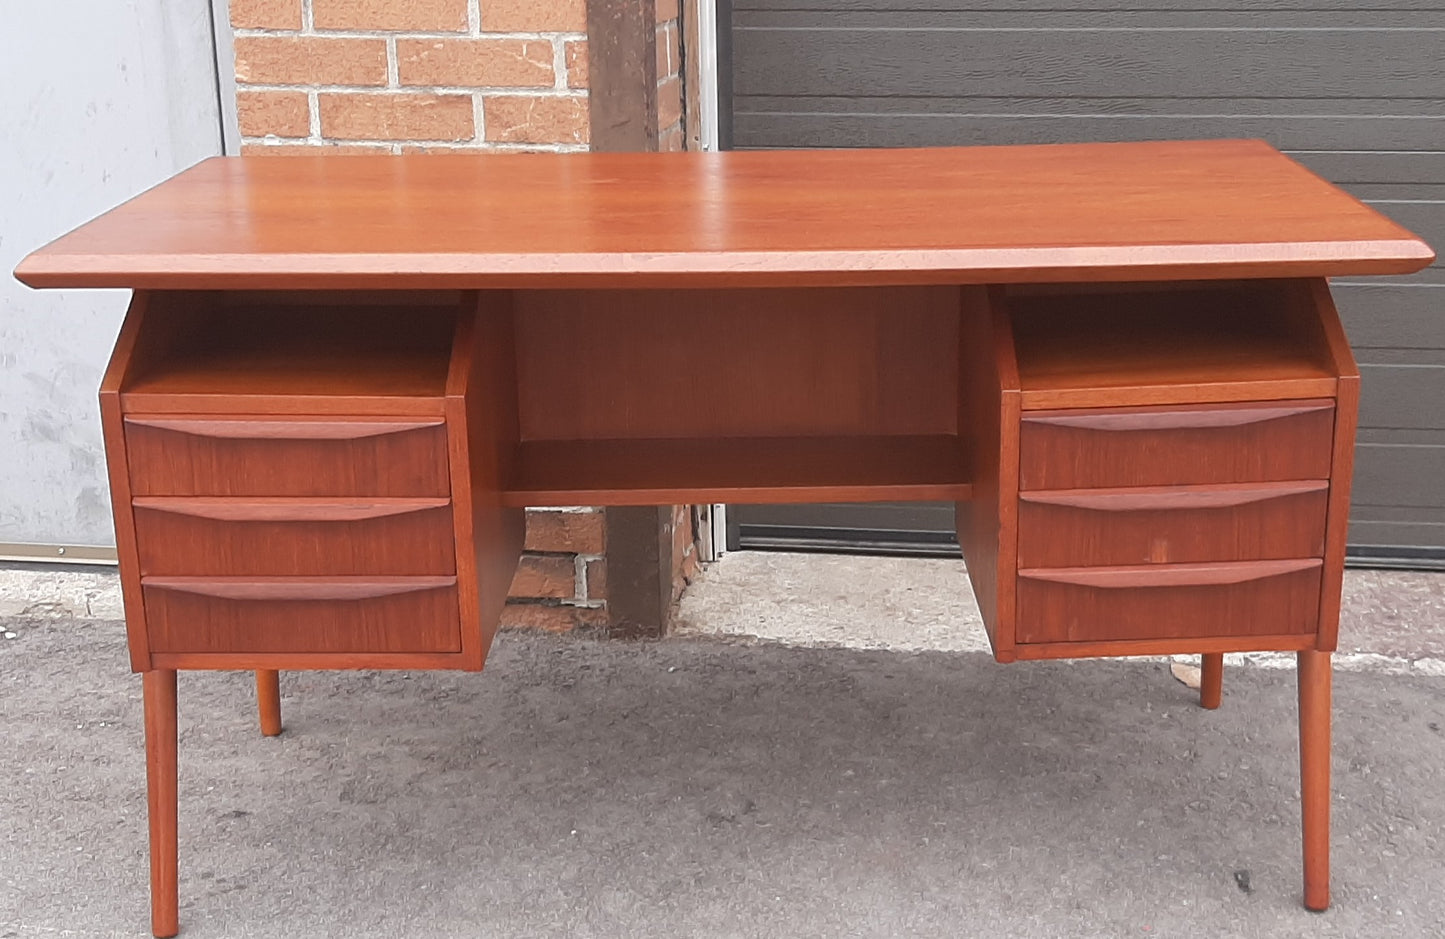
286	510
246	429
298	588
1176	420
1148	498
1171	575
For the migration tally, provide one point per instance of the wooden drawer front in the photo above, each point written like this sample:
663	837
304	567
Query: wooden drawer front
247	537
1173	601
290	457
1081	527
301	614
1231	443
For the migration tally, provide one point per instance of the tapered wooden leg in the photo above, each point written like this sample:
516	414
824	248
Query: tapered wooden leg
1211	679
1314	752
268	700
160	723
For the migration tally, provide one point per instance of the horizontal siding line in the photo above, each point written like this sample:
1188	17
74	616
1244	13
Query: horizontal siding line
1399	201
1117	7
1140	117
1434	99
1374	152
1397	446
1380	286
1005	10
1400	364
1090	29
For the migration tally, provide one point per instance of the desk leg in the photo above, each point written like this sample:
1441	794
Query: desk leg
1314	751
160	724
1211	679
268	700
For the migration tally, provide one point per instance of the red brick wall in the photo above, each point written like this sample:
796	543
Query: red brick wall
684	549
406	75
670	101
562	581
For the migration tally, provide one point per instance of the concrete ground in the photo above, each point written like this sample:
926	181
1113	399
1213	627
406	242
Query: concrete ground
718	786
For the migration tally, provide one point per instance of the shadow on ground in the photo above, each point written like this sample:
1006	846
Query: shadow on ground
708	788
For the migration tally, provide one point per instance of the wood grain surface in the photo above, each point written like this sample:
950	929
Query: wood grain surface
1185	444
279	537
302	614
1169	601
261	456
1167	345
988	402
626	363
1172	524
741	469
1130	211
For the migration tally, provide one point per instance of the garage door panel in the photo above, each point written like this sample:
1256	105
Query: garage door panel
1354	90
1391	395
1398	475
1084	6
781	14
804	124
1400	535
1397	317
1391	168
1091	63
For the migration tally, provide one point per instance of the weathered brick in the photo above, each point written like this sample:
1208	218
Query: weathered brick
667	10
545	576
597	579
575	57
671	139
572	532
669	103
310	60
398	116
278	113
266	14
545	119
306	149
534	16
669	51
551	618
441	148
498	63
422	15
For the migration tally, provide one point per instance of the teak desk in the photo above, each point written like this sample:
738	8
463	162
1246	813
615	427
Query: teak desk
342	378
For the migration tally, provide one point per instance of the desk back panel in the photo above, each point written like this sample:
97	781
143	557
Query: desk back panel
623	364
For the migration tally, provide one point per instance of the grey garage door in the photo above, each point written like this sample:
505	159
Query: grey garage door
1353	89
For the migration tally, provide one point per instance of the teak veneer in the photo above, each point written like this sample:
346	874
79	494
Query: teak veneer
342	379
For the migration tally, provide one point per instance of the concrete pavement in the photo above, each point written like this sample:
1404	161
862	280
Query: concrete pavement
705	786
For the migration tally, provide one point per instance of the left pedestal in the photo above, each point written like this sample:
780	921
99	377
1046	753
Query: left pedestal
305	480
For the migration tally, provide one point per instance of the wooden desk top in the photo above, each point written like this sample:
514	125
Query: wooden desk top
1085	212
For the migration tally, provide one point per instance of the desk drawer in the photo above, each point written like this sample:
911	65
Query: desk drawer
1162	446
1169	601
259	456
1173	524
199	535
302	614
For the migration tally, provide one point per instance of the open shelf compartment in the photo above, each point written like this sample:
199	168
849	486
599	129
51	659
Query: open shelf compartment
1095	346
823	394
321	351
